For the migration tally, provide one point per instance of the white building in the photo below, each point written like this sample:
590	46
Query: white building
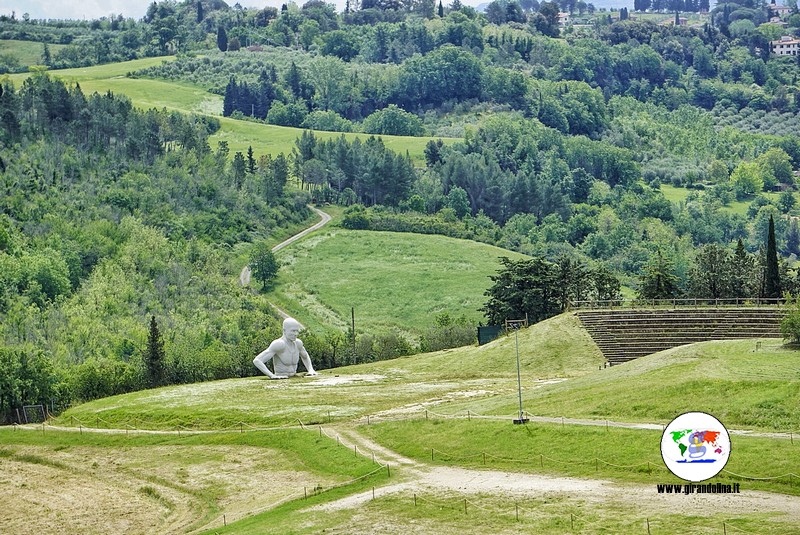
785	46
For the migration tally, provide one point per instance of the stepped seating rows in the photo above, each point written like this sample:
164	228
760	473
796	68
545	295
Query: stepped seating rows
623	335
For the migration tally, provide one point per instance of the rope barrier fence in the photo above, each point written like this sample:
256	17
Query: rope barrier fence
435	454
465	506
146	426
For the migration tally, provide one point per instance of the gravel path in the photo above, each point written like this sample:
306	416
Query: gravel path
417	477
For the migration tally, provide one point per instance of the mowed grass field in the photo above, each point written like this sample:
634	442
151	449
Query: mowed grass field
570	478
120	483
743	387
393	280
148	93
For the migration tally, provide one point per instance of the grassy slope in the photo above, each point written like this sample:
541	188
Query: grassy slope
743	388
26	52
183	97
554	348
233	473
392	279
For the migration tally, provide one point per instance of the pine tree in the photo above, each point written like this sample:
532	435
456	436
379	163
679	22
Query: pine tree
772	277
659	280
251	161
154	357
742	267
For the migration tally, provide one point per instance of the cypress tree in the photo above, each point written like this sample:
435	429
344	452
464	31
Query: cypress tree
154	357
772	276
222	39
441	10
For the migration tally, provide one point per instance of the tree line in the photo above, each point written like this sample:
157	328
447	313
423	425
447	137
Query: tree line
538	288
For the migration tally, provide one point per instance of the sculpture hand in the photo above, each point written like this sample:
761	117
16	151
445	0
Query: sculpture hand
312	372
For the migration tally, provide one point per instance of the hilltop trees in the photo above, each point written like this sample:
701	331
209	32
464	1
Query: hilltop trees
537	289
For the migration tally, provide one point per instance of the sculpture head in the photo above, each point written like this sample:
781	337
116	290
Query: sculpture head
291	328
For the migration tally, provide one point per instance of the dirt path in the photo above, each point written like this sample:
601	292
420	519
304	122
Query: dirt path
414	476
245	275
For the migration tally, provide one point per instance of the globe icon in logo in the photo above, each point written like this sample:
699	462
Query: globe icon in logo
695	446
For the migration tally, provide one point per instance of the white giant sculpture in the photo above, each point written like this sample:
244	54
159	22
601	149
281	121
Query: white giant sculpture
285	353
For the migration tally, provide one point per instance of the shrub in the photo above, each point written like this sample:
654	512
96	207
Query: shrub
393	121
355	218
790	325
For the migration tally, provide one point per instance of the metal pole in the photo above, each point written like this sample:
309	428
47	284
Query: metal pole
353	328
522	418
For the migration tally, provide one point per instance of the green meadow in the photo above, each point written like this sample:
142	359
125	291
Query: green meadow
555	348
679	195
630	455
393	280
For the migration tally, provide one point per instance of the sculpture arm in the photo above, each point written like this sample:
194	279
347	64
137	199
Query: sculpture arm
261	360
306	360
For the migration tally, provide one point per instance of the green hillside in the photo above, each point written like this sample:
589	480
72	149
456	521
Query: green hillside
742	386
393	280
188	98
26	52
397	395
744	389
555	348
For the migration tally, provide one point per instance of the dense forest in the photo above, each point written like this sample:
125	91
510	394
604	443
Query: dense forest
615	150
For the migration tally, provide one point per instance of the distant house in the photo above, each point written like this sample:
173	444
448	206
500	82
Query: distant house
563	19
785	46
780	11
777	21
682	21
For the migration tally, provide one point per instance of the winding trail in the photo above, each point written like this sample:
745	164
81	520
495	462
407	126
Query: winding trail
245	275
